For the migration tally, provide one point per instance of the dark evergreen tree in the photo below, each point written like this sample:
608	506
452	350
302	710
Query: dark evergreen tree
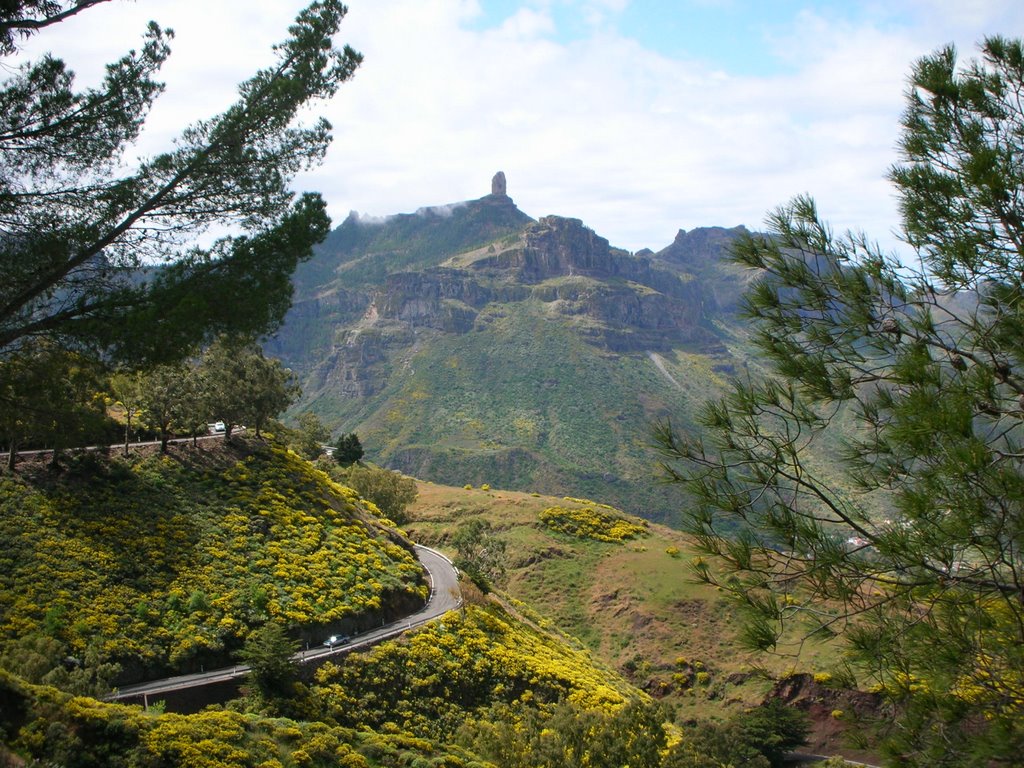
911	543
99	257
268	651
774	730
348	450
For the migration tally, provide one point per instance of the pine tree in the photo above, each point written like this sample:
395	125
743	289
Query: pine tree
348	450
98	257
909	543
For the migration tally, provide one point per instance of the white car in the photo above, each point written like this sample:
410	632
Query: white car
335	640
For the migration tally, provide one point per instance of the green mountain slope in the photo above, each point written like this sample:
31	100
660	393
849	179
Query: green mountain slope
481	346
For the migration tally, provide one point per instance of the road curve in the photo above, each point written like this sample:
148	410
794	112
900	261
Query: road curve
444	596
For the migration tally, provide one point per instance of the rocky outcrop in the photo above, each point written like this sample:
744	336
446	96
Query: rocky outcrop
359	362
703	245
555	246
627	304
704	253
416	296
634	304
311	319
830	711
498	186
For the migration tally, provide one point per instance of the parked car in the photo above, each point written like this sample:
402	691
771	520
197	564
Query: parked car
336	640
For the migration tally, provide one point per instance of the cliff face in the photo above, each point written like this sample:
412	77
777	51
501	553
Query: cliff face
633	305
704	253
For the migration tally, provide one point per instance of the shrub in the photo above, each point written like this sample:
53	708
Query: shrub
348	449
590	523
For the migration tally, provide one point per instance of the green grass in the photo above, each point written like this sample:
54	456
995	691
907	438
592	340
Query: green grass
632	603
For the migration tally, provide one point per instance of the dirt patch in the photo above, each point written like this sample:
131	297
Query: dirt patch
537	556
833	713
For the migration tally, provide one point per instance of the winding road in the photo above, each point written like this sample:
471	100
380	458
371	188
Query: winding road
444	596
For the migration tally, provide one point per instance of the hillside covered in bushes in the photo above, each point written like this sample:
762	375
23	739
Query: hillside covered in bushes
165	563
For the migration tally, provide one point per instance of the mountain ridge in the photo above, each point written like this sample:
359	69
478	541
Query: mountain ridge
472	343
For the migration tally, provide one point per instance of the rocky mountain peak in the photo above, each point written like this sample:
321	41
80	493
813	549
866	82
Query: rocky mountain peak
704	252
498	185
702	245
468	342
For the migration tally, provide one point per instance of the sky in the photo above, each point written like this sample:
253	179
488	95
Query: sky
640	117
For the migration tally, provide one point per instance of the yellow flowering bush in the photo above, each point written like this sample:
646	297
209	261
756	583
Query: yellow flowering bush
592	523
458	668
169	563
48	727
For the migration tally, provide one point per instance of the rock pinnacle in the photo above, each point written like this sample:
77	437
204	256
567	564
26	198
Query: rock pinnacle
498	188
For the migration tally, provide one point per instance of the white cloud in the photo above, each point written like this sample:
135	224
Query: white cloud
636	143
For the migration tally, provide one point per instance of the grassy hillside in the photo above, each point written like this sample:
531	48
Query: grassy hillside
630	601
165	563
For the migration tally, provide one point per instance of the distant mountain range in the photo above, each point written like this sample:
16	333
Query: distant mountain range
470	344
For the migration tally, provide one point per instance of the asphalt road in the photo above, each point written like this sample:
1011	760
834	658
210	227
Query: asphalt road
444	596
119	447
